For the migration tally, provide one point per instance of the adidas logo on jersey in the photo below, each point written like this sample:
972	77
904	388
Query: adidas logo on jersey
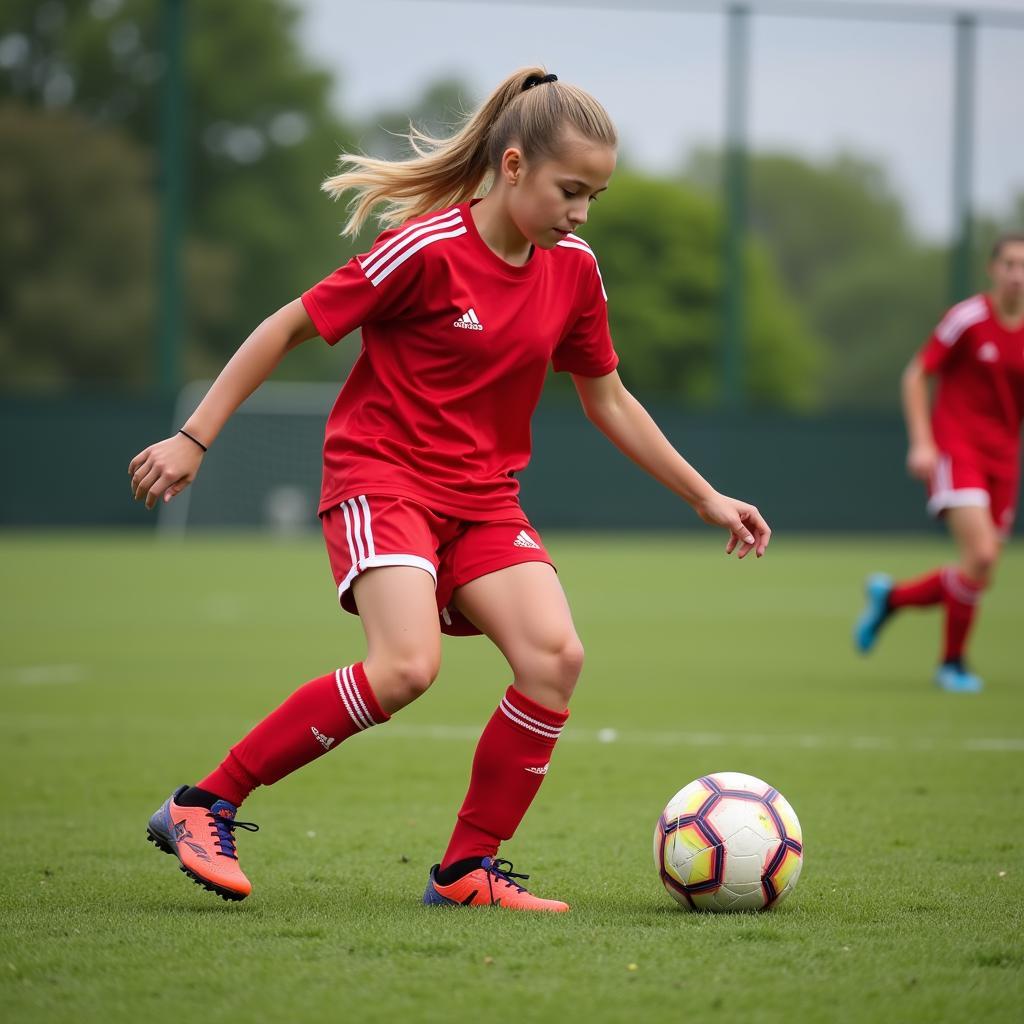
988	352
324	741
468	321
524	540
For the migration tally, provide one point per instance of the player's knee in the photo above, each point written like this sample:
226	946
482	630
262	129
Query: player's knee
981	562
415	675
571	659
399	679
555	665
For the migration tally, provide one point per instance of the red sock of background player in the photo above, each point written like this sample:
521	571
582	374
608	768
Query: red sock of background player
924	590
316	718
961	598
510	763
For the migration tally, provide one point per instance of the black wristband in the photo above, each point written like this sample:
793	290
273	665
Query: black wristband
192	439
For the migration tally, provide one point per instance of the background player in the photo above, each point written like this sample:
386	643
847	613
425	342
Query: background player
464	304
968	452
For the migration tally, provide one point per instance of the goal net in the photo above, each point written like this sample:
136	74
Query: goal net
264	470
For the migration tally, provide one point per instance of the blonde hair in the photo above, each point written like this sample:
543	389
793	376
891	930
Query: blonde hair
445	172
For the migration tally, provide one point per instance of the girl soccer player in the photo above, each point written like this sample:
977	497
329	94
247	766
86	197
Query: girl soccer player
463	303
967	452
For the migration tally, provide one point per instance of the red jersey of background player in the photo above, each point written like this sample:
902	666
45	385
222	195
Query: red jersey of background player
456	346
979	404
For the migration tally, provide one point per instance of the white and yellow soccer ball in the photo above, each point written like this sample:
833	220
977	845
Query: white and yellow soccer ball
728	841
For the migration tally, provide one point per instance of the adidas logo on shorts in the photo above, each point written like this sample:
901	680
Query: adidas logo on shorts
524	540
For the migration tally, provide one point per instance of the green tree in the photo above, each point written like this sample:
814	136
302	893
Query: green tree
260	136
77	238
75	254
866	285
659	246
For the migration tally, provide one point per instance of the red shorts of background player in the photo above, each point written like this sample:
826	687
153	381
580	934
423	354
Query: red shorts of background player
960	481
369	531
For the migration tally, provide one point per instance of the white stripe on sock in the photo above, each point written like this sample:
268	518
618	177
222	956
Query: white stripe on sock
344	699
524	721
349	675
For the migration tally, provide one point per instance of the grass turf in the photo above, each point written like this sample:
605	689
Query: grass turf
128	666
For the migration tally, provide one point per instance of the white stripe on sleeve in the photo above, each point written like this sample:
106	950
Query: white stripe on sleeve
412	250
407	237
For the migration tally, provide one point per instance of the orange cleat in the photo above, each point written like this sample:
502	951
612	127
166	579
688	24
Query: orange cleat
203	840
490	885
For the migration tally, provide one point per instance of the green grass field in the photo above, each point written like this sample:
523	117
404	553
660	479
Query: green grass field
128	666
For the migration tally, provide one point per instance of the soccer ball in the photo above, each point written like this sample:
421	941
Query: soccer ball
728	841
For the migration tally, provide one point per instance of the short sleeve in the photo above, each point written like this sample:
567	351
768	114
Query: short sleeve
945	340
586	347
935	353
373	286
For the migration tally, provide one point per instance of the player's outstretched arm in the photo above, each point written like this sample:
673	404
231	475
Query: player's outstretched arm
922	455
166	468
628	425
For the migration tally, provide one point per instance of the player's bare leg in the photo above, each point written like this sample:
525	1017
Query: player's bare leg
398	612
523	610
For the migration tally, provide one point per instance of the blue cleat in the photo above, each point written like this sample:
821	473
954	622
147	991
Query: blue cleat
877	611
952	677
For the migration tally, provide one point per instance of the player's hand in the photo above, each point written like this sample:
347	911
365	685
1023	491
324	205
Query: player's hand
164	469
747	529
922	458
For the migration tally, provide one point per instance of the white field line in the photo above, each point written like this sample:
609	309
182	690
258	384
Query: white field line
43	675
463	733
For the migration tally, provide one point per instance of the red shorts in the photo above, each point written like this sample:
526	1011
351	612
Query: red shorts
369	531
960	481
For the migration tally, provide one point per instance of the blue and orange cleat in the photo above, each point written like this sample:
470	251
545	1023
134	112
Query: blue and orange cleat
953	677
490	885
876	612
203	840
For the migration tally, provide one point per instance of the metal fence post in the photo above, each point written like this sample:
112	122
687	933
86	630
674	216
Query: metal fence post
171	178
961	284
734	185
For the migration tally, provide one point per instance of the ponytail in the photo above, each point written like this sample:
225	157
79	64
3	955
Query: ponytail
529	109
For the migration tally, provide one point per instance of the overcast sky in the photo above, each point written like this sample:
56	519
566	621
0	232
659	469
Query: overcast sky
882	90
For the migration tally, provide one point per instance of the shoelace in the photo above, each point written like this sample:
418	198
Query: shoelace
503	869
222	828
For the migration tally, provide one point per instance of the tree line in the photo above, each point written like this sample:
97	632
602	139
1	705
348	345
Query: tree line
838	289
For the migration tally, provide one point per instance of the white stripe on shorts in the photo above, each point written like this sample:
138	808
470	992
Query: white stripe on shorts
357	529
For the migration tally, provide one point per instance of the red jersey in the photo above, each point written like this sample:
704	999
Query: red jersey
979	404
456	346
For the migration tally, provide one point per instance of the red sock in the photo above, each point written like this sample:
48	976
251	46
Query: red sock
961	598
314	719
510	763
923	591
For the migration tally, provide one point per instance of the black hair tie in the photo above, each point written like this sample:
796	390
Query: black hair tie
533	80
